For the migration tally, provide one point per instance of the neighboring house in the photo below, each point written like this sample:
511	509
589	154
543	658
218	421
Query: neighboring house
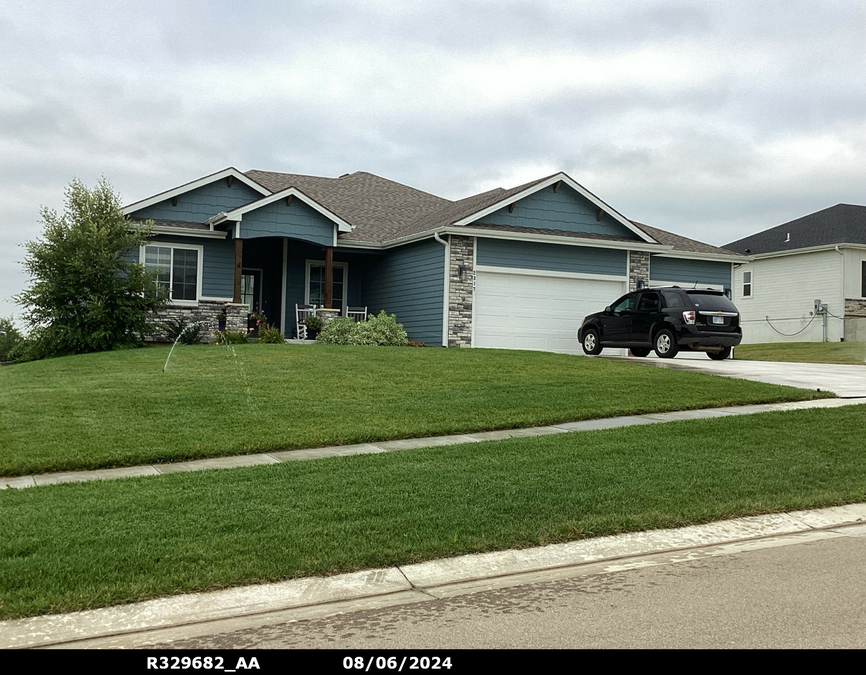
516	268
821	256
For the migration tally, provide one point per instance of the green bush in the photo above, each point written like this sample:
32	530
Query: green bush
10	339
381	330
177	330
86	293
338	331
232	337
270	334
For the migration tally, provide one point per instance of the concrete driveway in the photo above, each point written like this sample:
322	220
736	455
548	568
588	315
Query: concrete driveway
847	381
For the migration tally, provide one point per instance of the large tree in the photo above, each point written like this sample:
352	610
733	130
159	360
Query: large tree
88	293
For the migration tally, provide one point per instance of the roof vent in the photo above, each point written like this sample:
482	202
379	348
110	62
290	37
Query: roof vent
788	238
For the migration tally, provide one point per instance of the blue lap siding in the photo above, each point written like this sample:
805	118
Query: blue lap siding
410	282
200	204
297	220
687	271
564	209
551	257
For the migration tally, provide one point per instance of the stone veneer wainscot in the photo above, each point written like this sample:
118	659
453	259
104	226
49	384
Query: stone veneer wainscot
207	311
460	292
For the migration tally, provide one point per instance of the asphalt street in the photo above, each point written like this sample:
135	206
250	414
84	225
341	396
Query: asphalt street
781	593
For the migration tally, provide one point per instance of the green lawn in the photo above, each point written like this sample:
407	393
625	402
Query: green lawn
77	546
804	352
120	409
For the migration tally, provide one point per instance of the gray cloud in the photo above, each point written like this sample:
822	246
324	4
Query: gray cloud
713	120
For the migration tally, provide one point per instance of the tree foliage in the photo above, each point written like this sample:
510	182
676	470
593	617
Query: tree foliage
10	338
88	293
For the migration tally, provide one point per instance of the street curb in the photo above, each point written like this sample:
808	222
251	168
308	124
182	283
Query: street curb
202	608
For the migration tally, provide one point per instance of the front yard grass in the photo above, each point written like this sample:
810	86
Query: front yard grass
804	352
78	546
120	409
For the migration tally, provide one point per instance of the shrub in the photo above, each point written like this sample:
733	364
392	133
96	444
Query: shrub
381	330
86	294
232	337
10	340
338	331
270	334
177	330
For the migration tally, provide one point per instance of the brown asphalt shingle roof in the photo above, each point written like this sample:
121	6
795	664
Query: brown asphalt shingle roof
679	242
383	210
380	209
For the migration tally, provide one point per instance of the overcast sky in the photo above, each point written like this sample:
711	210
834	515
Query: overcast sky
714	120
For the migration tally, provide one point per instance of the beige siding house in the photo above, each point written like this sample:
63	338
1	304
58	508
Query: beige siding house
805	280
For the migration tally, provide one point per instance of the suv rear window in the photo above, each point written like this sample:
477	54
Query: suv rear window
711	301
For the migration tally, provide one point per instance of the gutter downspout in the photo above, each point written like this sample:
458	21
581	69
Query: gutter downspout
842	288
447	287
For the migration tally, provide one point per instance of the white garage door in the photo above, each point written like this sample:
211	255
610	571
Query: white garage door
521	311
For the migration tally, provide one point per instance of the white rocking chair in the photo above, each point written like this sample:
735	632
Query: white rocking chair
357	313
301	313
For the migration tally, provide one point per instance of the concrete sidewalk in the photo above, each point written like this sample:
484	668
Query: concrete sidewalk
184	616
408	444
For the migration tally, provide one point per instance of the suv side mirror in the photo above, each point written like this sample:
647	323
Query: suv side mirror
607	310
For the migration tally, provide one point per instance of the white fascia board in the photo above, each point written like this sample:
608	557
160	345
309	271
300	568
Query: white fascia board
693	255
237	214
800	251
188	232
616	215
194	185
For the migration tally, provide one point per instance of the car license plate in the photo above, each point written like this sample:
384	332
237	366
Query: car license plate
719	319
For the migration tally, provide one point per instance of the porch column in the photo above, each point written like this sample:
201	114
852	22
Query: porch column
239	266
329	276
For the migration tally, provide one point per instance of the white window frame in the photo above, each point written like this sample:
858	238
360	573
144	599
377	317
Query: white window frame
750	283
199	266
345	267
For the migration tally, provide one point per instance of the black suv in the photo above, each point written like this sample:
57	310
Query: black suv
667	320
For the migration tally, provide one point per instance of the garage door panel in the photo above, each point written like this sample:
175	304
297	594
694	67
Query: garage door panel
520	311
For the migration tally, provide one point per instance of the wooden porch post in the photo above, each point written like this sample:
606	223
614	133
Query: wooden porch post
329	275
239	266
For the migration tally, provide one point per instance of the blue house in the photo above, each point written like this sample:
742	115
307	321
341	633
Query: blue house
516	268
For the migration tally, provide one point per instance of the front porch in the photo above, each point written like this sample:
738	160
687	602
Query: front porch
273	275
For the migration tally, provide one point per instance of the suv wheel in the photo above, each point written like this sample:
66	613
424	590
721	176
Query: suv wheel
591	343
665	344
720	356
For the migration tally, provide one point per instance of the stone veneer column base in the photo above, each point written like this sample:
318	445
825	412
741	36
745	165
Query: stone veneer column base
460	293
638	270
854	323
